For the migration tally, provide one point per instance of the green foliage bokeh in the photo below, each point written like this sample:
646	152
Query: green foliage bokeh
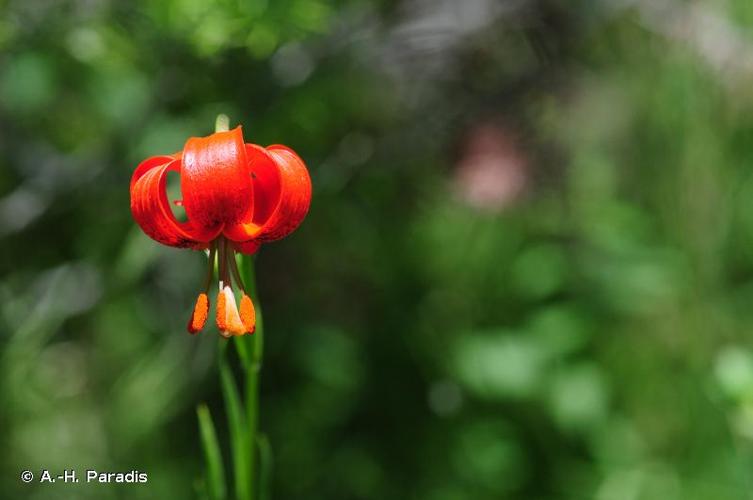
590	339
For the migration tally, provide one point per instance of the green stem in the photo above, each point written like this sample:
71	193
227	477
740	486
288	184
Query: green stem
222	123
250	350
253	369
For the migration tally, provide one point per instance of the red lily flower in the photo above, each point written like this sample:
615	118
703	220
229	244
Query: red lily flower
236	196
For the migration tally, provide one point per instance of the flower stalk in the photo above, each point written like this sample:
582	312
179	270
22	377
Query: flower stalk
253	373
244	421
236	196
243	413
249	449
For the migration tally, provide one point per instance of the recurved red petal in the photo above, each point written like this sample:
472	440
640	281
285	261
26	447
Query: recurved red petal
247	247
216	183
150	207
282	194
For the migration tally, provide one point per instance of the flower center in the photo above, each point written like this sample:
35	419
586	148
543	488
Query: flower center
230	321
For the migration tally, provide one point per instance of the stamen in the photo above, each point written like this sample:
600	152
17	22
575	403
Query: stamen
199	316
222	261
201	308
248	314
233	265
233	323
220	314
210	267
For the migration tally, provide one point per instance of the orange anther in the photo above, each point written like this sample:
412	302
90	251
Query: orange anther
200	312
220	312
248	314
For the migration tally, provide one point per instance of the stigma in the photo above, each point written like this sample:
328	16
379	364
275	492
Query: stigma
231	321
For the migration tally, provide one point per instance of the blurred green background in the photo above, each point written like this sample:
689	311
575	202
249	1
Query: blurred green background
527	271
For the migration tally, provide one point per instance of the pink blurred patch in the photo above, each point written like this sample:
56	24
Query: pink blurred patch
492	171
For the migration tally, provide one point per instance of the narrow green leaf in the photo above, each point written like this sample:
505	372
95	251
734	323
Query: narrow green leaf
215	473
200	486
265	466
239	440
244	346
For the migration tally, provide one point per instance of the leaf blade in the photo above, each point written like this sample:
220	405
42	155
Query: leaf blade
213	457
238	432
